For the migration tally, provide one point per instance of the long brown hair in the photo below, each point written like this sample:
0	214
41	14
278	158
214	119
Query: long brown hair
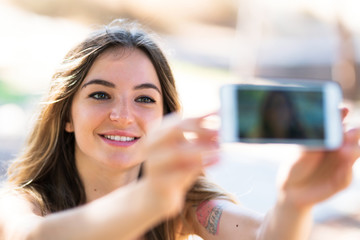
46	168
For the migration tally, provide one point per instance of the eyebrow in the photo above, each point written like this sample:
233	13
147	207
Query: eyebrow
147	85
100	82
112	85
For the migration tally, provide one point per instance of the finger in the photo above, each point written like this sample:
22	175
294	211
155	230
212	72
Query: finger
203	128
350	151
344	112
175	130
206	121
185	156
352	136
167	132
210	158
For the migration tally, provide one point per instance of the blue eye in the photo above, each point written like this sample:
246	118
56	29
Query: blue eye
144	100
99	95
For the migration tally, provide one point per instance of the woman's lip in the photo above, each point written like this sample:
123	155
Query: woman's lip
119	133
119	140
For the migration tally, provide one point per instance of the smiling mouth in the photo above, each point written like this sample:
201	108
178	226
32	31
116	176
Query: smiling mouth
118	138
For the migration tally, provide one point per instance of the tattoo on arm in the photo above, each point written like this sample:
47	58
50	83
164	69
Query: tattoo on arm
208	215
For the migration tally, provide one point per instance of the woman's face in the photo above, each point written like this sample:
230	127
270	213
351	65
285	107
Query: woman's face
119	99
279	111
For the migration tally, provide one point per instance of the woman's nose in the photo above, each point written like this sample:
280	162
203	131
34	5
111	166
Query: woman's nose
121	113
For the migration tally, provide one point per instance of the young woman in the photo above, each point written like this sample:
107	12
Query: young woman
104	162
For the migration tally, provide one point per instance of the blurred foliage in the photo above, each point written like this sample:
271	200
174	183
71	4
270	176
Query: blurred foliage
9	94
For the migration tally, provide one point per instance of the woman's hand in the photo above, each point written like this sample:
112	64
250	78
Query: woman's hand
314	177
176	154
318	175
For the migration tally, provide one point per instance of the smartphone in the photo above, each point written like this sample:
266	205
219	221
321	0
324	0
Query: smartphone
306	113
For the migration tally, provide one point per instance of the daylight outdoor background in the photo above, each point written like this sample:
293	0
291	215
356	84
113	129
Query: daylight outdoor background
209	43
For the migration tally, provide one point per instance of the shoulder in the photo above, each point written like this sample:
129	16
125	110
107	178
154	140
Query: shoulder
14	201
16	210
15	205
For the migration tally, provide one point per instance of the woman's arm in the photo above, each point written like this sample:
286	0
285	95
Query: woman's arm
285	221
173	164
127	212
219	219
314	177
222	219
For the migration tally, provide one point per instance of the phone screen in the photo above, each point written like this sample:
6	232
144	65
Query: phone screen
305	113
278	114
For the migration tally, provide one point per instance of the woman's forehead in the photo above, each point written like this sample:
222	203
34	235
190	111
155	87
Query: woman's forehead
116	52
128	64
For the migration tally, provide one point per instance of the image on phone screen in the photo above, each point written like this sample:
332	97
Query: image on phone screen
306	114
278	114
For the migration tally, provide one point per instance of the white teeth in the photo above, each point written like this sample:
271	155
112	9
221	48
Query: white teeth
119	138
